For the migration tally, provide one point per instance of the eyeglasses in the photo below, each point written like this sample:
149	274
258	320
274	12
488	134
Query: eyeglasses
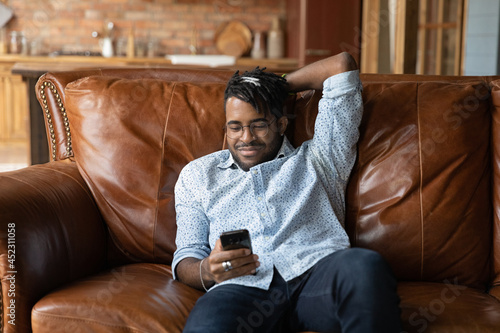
259	129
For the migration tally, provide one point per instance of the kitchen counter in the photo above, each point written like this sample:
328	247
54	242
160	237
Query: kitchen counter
31	68
70	62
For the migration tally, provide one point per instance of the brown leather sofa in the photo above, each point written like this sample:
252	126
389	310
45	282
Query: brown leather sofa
86	241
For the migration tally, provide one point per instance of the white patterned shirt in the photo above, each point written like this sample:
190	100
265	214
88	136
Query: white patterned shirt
293	206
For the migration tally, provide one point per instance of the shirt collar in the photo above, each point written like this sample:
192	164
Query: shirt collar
285	150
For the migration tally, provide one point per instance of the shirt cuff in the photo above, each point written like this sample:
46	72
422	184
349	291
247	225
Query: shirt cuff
186	253
341	84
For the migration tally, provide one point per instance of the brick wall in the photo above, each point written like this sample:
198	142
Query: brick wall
68	24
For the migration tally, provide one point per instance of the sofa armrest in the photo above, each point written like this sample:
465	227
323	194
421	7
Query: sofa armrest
51	233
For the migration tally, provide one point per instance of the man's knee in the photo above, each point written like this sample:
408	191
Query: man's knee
369	258
359	263
360	255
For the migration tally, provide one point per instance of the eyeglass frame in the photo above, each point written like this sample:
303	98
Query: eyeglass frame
241	131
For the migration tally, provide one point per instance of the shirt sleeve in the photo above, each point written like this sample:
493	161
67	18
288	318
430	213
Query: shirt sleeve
192	223
336	130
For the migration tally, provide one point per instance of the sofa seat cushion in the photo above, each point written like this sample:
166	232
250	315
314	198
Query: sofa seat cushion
447	307
131	298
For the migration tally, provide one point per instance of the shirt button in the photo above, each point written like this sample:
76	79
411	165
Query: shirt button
255	172
259	198
266	238
263	214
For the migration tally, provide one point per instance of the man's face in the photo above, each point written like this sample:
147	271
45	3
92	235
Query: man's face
249	150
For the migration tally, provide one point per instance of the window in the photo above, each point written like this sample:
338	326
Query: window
413	36
440	37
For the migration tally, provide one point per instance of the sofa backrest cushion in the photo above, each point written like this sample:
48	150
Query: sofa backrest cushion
420	192
131	138
50	93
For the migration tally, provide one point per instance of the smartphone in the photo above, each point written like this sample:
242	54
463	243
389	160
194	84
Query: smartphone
236	239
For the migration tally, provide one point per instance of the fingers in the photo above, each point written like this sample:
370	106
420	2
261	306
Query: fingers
226	265
218	246
236	267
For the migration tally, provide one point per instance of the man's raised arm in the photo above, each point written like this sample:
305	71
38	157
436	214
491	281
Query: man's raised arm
313	75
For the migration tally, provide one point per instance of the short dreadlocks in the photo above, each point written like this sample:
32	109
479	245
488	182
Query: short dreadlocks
265	91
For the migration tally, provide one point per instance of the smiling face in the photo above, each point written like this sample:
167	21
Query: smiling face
249	150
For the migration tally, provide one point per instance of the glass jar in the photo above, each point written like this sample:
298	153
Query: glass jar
17	42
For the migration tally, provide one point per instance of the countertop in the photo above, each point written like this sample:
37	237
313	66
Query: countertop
25	64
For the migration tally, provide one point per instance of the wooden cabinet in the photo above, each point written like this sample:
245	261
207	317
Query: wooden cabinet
317	29
14	119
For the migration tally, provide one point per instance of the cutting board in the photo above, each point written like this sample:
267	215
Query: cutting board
233	38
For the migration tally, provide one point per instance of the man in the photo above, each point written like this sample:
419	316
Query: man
302	274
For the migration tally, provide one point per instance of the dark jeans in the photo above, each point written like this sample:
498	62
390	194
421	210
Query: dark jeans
352	290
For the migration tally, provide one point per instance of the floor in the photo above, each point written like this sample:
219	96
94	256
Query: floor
13	156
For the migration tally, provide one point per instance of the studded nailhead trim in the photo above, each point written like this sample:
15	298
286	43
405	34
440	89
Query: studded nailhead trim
69	150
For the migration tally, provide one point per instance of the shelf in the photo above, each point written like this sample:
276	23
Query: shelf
74	62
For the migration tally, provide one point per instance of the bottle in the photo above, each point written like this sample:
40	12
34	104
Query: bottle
107	47
130	44
275	41
259	45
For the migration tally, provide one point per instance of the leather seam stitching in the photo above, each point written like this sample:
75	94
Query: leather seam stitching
161	164
420	189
